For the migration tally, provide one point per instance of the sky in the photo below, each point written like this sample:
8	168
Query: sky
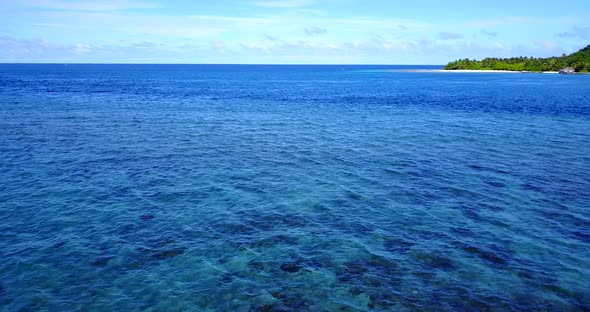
288	31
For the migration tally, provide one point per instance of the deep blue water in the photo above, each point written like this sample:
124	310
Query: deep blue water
292	188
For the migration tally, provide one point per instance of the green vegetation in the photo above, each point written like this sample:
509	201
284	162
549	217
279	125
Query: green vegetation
580	61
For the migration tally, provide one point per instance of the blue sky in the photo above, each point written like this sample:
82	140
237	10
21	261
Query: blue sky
288	31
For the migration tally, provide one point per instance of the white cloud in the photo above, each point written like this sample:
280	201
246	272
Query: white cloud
82	48
118	25
112	31
378	49
104	26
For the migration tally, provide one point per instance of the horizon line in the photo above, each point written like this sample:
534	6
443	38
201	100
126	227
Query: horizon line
233	64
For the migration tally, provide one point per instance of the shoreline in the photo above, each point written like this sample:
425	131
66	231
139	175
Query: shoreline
478	71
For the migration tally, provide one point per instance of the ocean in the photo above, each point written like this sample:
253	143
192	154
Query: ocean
292	188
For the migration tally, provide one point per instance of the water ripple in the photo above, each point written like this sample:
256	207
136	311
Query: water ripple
261	189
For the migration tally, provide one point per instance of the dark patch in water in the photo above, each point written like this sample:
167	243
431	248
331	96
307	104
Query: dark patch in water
558	290
256	265
102	261
579	299
471	214
463	232
525	274
318	262
495	184
321	208
352	271
383	264
160	242
355	228
530	187
147	217
233	228
581	306
356	268
358	271
352	195
58	245
582	236
355	291
433	260
483	168
272	308
290	301
370	280
424	274
394	244
167	254
295	303
129	229
291	267
494	255
434	235
227	278
290	220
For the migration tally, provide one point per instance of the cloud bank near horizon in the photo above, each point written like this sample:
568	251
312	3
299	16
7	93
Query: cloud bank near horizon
273	32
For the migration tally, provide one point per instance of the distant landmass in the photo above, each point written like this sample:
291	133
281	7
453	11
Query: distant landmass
578	62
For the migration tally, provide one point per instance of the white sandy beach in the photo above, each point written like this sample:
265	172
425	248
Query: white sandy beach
477	71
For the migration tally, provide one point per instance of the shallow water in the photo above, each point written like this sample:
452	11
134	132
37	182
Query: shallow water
286	188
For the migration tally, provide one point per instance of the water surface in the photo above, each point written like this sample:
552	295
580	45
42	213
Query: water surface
292	188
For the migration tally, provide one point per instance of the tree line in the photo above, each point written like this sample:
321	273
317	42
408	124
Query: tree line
580	61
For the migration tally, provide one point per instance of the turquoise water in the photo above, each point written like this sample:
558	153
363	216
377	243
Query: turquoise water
292	188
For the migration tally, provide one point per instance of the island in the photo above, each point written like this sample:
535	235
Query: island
565	64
